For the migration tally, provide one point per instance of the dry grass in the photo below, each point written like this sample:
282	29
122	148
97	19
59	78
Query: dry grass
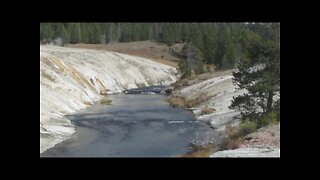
209	67
105	101
179	84
232	143
154	51
196	101
269	135
207	110
177	101
233	138
199	151
87	103
182	102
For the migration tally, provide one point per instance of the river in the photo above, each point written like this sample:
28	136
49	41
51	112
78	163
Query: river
134	125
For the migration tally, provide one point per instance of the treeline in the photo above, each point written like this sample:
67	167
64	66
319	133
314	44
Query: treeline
206	43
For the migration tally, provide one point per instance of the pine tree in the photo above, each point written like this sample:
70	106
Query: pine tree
259	73
209	47
166	35
96	33
46	32
184	32
192	60
135	35
229	58
125	32
195	36
74	33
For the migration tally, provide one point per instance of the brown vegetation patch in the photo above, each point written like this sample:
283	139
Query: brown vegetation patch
233	138
207	110
199	151
157	52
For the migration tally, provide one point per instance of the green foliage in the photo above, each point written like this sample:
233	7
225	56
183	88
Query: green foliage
221	44
259	73
247	127
225	51
192	60
229	58
195	36
184	36
270	118
167	35
208	48
74	33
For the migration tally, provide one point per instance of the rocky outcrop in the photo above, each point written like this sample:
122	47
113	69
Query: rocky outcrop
72	79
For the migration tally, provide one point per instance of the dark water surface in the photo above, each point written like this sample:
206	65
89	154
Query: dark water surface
134	125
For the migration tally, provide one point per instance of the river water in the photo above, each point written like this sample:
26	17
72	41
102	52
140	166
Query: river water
134	125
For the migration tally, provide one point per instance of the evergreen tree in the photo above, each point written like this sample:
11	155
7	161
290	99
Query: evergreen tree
46	32
209	47
184	32
219	43
192	60
135	32
96	33
125	32
229	58
195	36
259	73
166	34
74	33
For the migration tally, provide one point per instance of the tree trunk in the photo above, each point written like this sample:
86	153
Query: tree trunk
269	102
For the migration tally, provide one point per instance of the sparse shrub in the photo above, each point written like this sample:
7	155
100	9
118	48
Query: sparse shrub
184	83
87	103
186	74
200	151
270	118
177	101
233	138
141	85
207	110
247	127
231	143
182	102
105	101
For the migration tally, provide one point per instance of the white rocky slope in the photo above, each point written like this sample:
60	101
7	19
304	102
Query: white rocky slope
217	92
72	79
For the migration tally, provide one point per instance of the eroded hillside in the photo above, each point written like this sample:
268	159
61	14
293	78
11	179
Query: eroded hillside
72	79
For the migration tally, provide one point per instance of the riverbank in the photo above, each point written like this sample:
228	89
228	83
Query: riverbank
208	96
72	79
265	142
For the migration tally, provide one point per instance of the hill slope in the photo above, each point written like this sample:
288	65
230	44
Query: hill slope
72	79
